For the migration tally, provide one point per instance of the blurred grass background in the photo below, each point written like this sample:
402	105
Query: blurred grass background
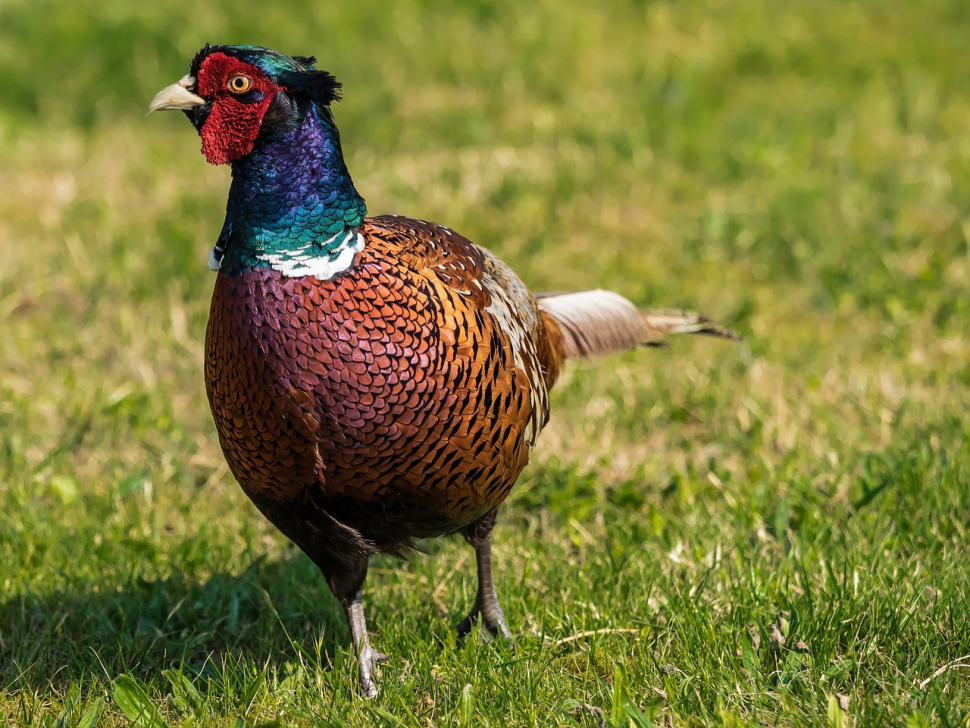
708	535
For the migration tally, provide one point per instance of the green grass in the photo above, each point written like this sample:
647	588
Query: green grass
707	535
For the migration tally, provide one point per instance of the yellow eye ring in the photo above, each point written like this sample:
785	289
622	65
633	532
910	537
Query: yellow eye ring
240	84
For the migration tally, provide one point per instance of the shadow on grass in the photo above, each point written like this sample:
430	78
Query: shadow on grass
264	616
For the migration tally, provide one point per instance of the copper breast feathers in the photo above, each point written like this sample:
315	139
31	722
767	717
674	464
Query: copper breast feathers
413	383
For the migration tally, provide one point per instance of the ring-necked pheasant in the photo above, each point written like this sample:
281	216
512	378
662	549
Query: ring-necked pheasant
373	380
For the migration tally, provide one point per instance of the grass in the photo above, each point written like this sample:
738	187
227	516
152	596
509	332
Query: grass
707	535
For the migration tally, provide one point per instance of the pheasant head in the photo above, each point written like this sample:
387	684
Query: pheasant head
268	114
235	94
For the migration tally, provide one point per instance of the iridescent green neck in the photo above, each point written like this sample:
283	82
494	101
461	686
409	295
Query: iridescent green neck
292	200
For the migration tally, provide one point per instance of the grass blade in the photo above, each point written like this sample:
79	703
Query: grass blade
92	716
135	703
467	706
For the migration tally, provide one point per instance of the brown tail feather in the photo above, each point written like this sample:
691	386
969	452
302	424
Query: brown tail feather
598	322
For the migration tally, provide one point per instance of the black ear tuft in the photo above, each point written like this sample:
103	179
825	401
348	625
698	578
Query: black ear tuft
317	86
307	61
199	57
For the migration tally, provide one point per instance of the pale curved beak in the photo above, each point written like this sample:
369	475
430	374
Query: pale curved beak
176	97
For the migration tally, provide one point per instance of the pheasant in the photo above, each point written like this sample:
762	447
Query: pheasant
373	380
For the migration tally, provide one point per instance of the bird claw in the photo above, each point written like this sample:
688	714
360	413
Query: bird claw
367	687
464	627
489	631
367	660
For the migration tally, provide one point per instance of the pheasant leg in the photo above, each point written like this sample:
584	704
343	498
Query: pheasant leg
346	587
367	656
486	607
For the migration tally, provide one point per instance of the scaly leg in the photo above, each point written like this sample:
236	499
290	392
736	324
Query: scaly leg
341	553
486	606
346	588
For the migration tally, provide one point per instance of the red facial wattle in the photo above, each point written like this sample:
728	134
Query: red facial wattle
232	126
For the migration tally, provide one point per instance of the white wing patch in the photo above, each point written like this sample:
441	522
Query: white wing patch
517	318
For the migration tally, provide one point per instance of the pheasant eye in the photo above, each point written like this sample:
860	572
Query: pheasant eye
240	84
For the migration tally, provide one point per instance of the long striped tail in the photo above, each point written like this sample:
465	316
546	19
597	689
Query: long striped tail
598	322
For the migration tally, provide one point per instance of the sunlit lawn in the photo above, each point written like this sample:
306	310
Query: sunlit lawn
710	534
